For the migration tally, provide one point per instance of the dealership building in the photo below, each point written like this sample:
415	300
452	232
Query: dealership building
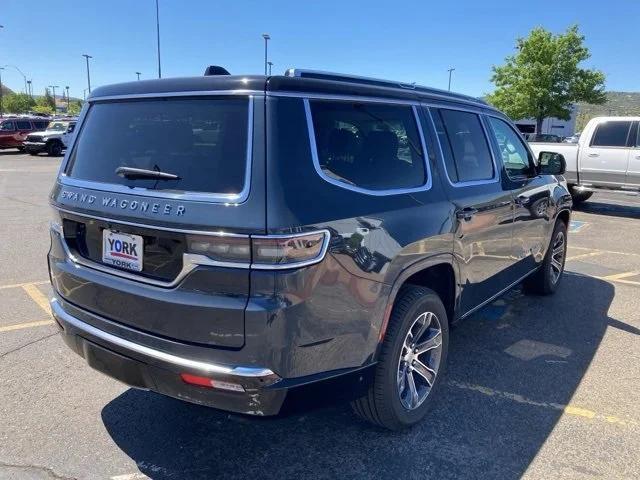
555	126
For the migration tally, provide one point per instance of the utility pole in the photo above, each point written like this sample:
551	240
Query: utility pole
138	74
87	57
29	88
53	87
450	70
270	65
158	37
67	89
266	42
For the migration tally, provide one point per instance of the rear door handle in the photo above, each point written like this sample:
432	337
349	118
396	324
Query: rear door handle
593	155
466	213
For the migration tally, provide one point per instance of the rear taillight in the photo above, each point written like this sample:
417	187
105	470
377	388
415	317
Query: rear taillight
221	248
262	251
288	250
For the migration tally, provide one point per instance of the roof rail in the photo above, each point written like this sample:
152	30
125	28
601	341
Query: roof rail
342	77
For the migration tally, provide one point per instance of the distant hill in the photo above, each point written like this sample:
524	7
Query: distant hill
618	104
6	90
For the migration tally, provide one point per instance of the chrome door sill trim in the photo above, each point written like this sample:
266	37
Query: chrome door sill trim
491	299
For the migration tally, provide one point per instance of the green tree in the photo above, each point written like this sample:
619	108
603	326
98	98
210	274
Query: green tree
18	103
74	107
49	99
544	78
44	105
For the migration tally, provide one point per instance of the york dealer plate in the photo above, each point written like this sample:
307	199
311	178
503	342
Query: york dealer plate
122	250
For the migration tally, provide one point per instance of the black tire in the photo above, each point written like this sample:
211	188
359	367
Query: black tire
382	405
54	148
544	281
579	197
33	153
20	149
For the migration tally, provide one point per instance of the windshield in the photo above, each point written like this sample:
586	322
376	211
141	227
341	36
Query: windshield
57	126
202	141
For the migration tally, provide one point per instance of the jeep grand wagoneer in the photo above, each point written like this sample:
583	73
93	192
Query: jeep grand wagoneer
234	240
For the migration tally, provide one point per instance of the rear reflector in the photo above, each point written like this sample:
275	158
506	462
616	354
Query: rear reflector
209	383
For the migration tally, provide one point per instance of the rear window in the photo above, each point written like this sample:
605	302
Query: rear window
24	125
611	134
201	140
369	146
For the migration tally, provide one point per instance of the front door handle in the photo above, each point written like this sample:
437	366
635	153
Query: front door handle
593	155
466	213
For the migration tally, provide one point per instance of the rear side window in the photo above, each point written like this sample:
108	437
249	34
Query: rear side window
23	125
367	145
611	134
464	146
41	125
204	141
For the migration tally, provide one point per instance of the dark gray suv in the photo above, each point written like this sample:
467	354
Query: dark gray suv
250	242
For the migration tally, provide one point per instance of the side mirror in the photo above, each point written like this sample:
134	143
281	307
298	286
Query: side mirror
551	163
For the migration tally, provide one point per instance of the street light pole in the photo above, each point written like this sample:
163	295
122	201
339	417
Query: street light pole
87	57
29	87
67	89
450	70
1	111
53	87
266	42
158	37
138	74
270	65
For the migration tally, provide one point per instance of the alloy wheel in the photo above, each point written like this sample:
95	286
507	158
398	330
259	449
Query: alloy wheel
557	257
419	360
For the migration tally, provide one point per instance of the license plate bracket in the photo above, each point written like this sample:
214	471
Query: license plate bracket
122	250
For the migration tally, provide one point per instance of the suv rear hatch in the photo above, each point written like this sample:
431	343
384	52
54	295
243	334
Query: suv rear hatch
162	174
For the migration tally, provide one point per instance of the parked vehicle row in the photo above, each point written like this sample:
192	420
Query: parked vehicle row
36	135
606	157
243	240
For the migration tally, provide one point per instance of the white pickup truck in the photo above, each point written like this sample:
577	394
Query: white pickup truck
607	157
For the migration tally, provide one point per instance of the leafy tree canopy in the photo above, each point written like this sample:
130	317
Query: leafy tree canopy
18	103
543	79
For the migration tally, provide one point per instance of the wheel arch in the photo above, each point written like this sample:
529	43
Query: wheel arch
428	273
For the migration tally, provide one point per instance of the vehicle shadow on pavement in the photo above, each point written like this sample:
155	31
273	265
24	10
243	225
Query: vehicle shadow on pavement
511	365
610	209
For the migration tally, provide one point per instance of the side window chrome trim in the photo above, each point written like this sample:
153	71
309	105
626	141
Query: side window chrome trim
379	193
231	198
472	183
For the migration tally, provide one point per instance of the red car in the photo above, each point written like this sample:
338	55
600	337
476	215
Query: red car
14	130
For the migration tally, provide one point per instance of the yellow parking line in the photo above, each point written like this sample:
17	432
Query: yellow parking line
618	276
20	326
37	296
585	255
19	285
566	409
613	252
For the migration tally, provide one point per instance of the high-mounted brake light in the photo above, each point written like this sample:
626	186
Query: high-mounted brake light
262	251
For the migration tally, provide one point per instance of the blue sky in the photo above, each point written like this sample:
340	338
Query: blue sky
405	40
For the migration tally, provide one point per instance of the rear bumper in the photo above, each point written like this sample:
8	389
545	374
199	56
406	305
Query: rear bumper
148	368
264	392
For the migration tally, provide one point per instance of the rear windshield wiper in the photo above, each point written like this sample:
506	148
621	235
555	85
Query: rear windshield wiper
142	173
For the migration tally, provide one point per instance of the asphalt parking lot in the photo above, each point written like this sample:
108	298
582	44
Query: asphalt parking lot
537	387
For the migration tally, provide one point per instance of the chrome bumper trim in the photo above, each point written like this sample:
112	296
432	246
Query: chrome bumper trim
238	371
